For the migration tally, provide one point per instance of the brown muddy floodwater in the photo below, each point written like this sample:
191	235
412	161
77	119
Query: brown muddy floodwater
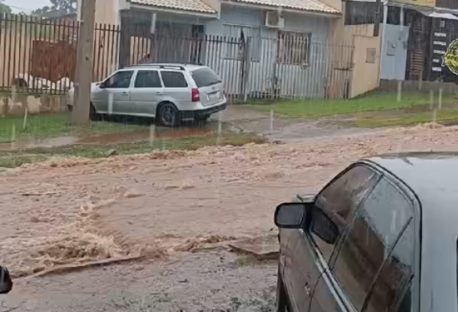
71	211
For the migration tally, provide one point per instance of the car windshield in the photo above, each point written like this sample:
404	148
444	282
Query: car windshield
145	144
205	77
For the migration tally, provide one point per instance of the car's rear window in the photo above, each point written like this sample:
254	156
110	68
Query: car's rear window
205	77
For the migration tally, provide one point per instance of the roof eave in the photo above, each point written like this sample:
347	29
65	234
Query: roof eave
283	9
173	10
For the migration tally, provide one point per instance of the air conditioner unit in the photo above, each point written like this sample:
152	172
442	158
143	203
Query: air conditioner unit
274	19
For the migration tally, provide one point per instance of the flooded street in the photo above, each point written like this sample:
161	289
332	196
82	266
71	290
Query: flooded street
164	207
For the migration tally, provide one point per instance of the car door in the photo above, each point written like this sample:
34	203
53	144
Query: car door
177	89
146	93
306	254
372	267
113	95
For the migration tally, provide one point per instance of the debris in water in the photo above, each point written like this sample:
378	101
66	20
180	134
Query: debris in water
265	247
132	194
202	242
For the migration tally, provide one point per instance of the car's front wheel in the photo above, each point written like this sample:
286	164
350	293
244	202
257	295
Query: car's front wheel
282	299
93	113
168	115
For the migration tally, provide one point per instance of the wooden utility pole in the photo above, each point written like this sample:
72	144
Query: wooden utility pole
80	115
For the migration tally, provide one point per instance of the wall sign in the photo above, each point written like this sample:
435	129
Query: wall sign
451	57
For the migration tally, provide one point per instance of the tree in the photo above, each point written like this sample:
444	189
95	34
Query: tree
58	7
68	6
4	9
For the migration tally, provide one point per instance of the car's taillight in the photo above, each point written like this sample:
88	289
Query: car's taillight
195	95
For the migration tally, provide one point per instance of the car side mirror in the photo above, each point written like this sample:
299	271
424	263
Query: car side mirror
290	215
322	226
6	284
102	85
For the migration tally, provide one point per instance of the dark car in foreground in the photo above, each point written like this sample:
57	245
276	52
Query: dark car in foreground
381	236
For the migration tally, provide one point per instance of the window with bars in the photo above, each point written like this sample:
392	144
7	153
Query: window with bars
293	48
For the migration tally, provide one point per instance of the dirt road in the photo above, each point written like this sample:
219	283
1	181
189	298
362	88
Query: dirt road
74	210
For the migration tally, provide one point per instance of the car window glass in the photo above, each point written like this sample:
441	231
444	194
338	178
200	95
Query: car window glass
340	198
204	77
393	281
374	230
119	80
173	79
147	79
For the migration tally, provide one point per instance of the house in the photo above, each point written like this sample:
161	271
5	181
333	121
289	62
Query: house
286	48
415	37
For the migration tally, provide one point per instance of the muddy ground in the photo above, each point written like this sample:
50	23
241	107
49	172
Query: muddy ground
167	207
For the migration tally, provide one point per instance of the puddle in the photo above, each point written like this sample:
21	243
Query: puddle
46	143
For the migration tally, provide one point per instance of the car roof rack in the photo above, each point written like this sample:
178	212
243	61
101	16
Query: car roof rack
163	66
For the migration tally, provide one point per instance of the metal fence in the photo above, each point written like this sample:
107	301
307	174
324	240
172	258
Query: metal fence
39	56
280	67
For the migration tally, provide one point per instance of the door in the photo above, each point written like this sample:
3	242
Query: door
113	95
373	264
177	89
307	254
146	93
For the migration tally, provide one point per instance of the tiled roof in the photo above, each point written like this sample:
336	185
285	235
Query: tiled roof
185	5
303	5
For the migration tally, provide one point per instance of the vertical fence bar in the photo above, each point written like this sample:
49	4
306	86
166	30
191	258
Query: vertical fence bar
110	46
285	66
97	71
61	41
74	42
267	70
210	54
49	34
15	47
65	42
2	44
103	42
21	48
33	61
99	53
10	50
28	48
116	45
271	53
230	63
96	54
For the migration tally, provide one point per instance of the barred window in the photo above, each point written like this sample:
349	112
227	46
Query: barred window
293	48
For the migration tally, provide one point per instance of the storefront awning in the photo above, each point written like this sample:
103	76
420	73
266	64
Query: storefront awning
448	16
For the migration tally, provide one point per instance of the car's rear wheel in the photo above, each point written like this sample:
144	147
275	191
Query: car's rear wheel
168	115
282	299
